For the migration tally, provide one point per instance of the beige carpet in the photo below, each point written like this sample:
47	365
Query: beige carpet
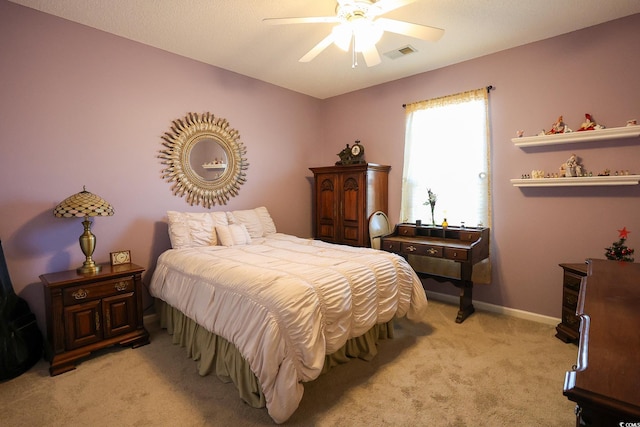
492	370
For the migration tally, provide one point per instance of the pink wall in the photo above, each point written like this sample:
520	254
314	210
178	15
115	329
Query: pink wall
590	71
82	107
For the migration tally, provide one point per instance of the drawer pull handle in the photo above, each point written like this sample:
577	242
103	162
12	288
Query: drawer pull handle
80	294
455	254
411	248
432	251
121	286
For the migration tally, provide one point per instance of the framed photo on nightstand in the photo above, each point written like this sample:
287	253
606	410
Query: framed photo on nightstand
120	257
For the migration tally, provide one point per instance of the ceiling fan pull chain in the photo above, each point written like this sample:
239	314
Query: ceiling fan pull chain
354	55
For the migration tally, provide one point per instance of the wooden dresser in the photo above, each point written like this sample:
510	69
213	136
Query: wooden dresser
345	198
88	312
605	382
568	330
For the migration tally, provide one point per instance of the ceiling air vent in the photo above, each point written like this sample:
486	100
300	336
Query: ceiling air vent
397	53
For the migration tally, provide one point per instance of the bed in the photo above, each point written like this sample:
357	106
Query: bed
270	311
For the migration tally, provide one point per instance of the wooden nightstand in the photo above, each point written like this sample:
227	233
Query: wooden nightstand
88	312
568	330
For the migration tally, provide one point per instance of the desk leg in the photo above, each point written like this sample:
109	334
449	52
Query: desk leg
466	300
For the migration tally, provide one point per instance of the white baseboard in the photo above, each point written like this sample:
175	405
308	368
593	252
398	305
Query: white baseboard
479	305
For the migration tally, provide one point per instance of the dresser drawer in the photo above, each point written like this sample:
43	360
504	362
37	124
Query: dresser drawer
572	281
570	319
77	294
424	250
570	299
456	254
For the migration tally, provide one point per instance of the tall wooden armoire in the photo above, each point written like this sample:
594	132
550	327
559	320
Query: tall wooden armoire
345	197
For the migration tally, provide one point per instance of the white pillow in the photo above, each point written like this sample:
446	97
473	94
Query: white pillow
191	229
267	223
233	234
250	219
258	221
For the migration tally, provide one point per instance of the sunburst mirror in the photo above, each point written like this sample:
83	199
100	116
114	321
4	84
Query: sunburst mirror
204	159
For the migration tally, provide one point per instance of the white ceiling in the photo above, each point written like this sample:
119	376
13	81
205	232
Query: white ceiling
230	34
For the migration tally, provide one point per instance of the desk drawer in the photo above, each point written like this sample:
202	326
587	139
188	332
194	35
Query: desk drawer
423	250
391	246
78	294
456	254
406	231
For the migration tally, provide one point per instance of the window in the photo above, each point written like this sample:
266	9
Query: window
447	151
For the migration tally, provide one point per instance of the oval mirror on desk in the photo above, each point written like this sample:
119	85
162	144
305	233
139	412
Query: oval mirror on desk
204	159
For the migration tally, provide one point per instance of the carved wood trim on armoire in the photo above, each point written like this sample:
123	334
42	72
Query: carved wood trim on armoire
345	197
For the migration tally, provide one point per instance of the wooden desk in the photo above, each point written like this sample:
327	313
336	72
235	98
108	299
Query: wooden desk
449	254
605	383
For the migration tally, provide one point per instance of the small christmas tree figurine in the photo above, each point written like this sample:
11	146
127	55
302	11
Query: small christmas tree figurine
618	251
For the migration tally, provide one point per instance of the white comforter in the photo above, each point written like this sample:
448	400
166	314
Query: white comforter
285	302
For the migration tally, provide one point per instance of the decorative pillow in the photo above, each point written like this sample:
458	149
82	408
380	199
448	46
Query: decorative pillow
191	229
233	234
258	221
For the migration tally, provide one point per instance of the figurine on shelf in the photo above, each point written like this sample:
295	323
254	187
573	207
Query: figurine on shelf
589	124
571	167
558	127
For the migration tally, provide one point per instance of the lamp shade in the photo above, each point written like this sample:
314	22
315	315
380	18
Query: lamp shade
83	204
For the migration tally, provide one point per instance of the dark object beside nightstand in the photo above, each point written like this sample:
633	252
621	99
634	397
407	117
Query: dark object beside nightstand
88	312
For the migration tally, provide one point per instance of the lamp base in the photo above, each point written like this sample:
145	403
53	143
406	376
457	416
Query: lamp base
89	268
88	244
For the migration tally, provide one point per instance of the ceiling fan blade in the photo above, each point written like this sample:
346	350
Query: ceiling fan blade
388	5
371	56
308	20
412	30
324	43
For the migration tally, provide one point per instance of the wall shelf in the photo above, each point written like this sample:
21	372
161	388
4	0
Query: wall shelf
216	166
584	136
577	181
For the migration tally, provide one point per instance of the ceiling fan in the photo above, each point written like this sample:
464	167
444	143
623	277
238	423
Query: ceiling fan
360	27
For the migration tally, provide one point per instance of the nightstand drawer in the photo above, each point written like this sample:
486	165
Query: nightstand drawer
78	294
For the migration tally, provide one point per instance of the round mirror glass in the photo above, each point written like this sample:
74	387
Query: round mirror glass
204	159
208	159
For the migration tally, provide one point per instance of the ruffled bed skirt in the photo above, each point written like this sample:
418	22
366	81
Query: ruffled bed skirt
215	354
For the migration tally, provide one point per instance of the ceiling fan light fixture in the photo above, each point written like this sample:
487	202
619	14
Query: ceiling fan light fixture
366	34
342	34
